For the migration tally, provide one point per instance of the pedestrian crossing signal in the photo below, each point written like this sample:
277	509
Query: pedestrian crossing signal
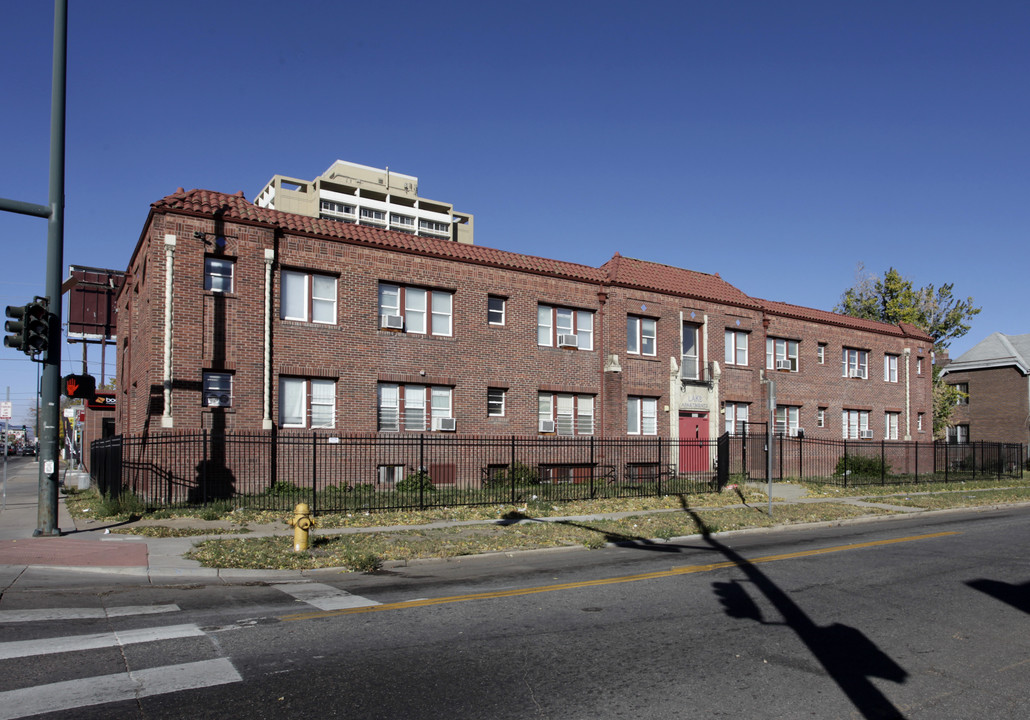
80	386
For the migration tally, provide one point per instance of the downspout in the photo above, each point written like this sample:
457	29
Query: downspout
602	298
266	422
908	397
166	417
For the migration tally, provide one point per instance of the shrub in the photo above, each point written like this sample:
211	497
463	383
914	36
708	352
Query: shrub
365	562
283	488
216	510
517	474
125	503
862	466
415	482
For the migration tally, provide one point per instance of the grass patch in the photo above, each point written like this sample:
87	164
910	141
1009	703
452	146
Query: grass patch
817	490
357	551
163	531
966	497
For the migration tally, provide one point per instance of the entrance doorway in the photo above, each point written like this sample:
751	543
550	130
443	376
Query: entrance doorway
694	450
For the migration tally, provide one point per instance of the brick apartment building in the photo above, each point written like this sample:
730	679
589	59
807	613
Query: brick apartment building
240	317
994	378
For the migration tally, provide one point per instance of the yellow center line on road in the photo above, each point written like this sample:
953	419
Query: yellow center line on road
673	572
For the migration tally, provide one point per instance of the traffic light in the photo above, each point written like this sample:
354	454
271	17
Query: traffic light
15	327
80	386
37	326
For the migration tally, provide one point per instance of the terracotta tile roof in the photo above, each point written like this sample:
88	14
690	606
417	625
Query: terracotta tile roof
237	207
675	281
783	309
622	271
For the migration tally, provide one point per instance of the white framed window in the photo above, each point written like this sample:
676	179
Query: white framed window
890	425
218	273
433	228
412	408
963	393
890	369
556	325
641	416
495	401
919	422
217	389
690	367
854	363
820	417
736	418
421	311
569	414
640	335
329	210
403	223
736	347
375	218
958	434
820	353
390	475
307	402
787	419
308	297
855	424
781	354
919	366
496	310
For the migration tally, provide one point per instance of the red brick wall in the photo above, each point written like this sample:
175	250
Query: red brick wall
999	404
226	332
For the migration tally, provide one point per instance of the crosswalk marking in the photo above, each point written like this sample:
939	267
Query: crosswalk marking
44	614
324	597
29	648
131	685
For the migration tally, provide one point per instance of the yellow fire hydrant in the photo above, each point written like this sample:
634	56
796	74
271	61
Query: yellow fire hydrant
301	523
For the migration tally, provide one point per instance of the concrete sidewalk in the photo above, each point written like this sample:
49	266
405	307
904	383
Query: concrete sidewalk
87	553
82	553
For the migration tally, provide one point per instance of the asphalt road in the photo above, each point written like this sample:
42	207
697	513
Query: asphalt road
925	617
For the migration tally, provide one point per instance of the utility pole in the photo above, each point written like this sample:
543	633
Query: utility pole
50	386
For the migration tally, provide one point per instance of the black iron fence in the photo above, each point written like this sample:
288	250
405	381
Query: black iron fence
334	473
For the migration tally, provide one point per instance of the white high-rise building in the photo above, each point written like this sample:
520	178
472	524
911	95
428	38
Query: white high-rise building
354	193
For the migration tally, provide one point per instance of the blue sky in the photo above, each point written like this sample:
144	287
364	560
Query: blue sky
779	144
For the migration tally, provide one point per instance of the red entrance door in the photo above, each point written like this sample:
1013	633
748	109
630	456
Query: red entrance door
694	449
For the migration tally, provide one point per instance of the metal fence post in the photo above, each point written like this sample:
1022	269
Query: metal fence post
422	474
845	462
314	468
917	462
593	467
883	462
511	470
203	467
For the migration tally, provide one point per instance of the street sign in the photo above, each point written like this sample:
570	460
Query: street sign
5	410
102	401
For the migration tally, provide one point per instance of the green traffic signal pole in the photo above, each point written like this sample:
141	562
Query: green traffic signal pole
50	386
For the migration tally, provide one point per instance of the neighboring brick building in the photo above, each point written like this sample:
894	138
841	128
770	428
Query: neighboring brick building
994	377
238	317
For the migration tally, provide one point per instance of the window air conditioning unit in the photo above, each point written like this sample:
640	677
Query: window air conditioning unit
783	364
444	424
797	432
866	434
568	341
854	373
547	426
391	322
